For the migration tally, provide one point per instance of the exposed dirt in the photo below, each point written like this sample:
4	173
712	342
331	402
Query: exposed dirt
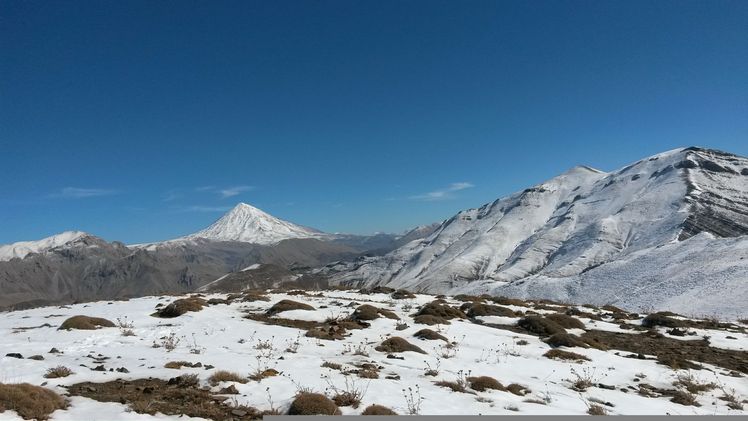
676	353
173	397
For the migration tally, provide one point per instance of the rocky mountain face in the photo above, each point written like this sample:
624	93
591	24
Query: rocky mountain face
568	228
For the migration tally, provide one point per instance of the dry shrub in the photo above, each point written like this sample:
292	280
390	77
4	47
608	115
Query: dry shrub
369	312
661	319
181	306
692	384
565	339
558	354
334	366
29	401
540	326
58	372
313	404
226	376
378	410
454	386
85	323
402	294
468	298
483	383
595	409
429	335
179	364
505	301
287	305
440	310
566	321
478	309
684	397
249	297
517	389
398	344
429	320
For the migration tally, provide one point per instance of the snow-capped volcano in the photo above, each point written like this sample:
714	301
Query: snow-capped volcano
572	224
23	248
248	224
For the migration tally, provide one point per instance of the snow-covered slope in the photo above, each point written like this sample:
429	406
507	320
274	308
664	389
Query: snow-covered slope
23	248
247	224
571	224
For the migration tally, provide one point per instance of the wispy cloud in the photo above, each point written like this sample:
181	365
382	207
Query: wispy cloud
224	192
81	193
443	194
234	191
171	195
199	208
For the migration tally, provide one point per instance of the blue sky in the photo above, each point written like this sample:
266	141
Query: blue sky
142	121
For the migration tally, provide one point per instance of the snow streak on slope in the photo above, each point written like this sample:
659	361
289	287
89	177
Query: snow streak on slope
23	248
248	224
571	224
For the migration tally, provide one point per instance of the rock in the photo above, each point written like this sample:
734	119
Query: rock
231	390
14	355
238	412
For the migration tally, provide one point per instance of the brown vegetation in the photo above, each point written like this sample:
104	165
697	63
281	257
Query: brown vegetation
398	344
58	372
29	401
287	305
558	354
226	376
313	404
429	335
85	323
180	307
483	383
378	410
540	326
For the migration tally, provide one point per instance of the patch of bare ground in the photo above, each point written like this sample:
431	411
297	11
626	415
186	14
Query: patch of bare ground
177	396
328	330
675	353
29	401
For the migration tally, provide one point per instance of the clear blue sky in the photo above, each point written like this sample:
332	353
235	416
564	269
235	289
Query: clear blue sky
140	121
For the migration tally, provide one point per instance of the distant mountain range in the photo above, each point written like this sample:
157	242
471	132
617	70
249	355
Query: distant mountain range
668	231
76	266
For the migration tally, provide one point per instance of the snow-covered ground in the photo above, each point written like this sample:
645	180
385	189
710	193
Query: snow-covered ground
220	336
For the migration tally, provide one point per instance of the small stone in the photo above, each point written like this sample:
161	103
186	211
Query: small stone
123	370
231	390
238	412
99	368
54	351
36	358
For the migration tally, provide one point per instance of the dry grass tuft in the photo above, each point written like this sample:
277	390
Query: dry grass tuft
565	339
595	409
540	326
85	323
181	306
226	376
378	410
565	321
58	372
287	305
483	383
29	401
558	354
398	344
429	335
313	404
